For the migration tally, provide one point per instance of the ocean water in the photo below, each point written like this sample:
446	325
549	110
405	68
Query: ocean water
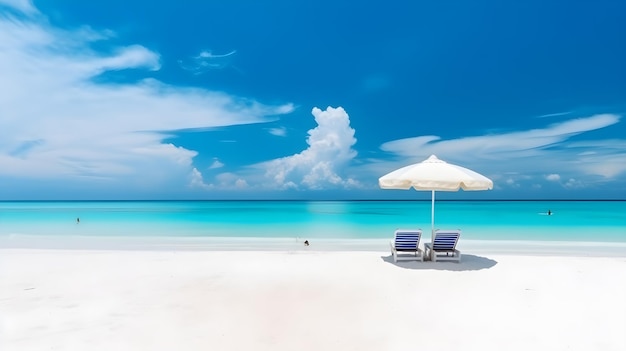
573	221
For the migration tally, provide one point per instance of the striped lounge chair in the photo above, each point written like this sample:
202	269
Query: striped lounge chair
407	241
443	247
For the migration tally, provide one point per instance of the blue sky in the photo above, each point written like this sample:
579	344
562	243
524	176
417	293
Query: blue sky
247	99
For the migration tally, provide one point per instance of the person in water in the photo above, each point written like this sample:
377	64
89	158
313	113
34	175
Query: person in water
549	213
306	243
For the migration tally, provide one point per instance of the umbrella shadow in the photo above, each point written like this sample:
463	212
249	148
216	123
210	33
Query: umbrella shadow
468	263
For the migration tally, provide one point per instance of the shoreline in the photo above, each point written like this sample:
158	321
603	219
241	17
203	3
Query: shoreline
162	243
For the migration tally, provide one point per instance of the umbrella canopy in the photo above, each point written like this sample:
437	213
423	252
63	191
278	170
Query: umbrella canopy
434	174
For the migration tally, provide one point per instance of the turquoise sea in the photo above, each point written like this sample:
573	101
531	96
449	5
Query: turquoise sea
584	221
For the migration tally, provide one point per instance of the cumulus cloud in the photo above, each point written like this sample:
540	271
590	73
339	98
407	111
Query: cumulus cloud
230	181
197	181
319	166
222	182
532	152
57	121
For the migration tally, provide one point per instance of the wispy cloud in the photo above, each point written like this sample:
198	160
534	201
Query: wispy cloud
521	143
282	131
521	154
206	61
58	122
557	114
23	6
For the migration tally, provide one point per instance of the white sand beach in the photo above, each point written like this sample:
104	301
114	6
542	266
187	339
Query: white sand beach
53	299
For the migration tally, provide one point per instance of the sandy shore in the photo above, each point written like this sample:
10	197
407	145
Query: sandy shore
307	300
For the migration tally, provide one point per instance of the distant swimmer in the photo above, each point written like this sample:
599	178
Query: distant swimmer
306	243
549	213
77	220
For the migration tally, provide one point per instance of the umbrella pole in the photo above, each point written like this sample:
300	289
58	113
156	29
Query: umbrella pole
432	216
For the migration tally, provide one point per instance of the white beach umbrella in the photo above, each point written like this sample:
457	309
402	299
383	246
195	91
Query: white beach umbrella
434	174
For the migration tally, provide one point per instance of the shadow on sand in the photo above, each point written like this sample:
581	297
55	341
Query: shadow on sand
468	263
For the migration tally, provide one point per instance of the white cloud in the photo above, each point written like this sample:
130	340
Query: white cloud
573	183
510	182
222	182
241	184
532	152
282	131
24	6
216	164
197	181
521	143
206	61
58	121
557	114
230	181
320	166
134	56
606	158
553	177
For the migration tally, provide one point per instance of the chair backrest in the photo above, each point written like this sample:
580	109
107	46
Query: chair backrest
445	239
407	239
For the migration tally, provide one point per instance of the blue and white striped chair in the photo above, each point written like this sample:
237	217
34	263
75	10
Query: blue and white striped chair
443	247
407	241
